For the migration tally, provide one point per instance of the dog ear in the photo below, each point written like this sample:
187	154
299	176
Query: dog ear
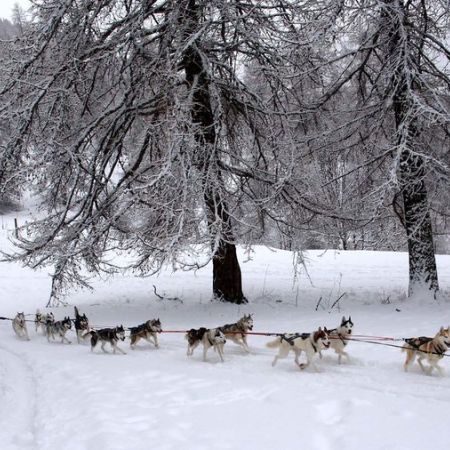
343	320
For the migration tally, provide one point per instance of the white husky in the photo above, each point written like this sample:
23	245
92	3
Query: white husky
310	343
339	337
20	327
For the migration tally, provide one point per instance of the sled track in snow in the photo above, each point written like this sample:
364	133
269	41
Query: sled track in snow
19	382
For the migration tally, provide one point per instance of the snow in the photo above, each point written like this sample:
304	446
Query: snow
56	396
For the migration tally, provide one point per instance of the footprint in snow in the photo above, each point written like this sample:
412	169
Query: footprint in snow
331	412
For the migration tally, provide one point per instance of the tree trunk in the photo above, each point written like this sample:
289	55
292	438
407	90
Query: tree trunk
227	281
422	260
411	171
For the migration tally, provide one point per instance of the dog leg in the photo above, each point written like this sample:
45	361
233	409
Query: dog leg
341	354
133	341
419	360
116	347
440	370
151	341
220	351
297	356
308	363
244	341
282	353
191	348
410	357
205	349
63	338
155	338
103	347
25	333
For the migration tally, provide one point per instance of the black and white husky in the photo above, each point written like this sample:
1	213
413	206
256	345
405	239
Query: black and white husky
107	335
58	328
20	326
310	343
81	323
147	331
208	337
339	337
237	331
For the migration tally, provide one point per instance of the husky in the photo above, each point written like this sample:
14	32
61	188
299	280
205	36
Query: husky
431	349
310	343
107	335
339	338
213	337
81	323
20	326
58	328
237	331
40	321
146	331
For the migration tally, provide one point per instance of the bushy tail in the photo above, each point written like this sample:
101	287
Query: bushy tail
94	338
275	343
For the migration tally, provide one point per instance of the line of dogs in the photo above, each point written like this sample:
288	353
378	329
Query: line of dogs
430	349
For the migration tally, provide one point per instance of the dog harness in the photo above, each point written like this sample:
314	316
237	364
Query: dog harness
416	343
290	338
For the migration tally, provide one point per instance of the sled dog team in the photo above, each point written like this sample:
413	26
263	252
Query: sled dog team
429	349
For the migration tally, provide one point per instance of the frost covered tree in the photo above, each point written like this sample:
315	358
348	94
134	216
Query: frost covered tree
383	91
132	121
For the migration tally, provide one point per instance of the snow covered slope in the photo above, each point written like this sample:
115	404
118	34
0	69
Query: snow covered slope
56	396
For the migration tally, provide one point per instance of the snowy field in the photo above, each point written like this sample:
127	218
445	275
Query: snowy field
56	396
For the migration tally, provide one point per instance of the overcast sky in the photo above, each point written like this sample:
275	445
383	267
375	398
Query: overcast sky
7	5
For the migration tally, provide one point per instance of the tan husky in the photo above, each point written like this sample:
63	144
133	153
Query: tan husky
430	349
310	343
237	332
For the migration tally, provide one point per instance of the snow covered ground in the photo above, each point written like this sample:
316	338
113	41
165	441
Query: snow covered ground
56	396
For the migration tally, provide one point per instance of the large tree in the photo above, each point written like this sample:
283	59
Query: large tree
132	120
383	97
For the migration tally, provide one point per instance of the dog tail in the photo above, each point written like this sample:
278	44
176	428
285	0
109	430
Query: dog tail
94	338
77	314
275	343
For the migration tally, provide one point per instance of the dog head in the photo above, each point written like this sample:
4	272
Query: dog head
83	322
443	336
49	318
320	337
67	323
346	326
154	325
20	318
120	332
246	322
